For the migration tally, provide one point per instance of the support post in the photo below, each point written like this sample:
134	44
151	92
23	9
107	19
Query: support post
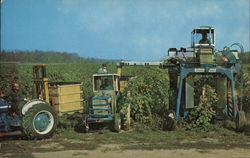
179	99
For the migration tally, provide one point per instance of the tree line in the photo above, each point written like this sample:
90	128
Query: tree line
46	57
63	57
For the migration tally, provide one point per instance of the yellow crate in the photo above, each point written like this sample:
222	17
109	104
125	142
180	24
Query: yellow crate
66	97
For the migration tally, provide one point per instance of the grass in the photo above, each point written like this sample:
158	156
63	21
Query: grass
142	137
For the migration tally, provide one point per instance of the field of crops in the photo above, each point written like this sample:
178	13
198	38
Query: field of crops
68	72
149	99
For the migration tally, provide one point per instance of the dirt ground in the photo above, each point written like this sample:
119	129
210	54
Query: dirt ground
113	151
137	143
190	153
52	148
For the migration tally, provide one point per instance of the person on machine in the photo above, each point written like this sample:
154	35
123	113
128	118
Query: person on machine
204	39
15	96
103	69
106	85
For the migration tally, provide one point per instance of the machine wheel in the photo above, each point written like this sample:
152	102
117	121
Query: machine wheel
39	122
117	123
169	124
240	121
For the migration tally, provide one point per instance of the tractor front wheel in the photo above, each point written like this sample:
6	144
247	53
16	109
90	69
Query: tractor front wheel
39	122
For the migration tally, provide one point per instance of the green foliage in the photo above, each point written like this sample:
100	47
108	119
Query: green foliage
246	88
68	121
200	116
8	74
201	81
245	57
147	95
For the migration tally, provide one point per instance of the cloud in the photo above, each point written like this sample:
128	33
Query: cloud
94	15
146	27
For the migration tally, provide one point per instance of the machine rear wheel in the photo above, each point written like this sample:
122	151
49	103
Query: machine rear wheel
169	123
240	120
39	122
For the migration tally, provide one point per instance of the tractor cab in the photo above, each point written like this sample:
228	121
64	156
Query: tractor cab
105	83
203	36
106	93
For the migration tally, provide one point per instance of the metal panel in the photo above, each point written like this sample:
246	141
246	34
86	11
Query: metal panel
189	91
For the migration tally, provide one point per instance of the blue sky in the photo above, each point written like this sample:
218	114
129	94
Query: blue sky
119	29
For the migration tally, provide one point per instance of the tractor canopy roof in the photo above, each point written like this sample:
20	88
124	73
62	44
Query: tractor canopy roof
200	29
203	36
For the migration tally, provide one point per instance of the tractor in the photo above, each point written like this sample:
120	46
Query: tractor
34	119
103	105
203	59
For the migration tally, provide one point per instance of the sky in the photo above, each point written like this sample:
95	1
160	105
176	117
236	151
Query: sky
140	30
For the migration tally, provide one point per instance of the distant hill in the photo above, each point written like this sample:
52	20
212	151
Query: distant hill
63	57
46	57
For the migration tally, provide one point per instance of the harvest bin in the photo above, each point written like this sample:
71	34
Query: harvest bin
66	97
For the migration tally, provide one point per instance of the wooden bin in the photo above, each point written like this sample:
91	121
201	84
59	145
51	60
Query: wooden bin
66	97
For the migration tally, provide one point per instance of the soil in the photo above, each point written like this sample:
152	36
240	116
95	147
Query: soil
132	144
190	153
52	148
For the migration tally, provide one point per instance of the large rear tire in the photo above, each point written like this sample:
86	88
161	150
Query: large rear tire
39	122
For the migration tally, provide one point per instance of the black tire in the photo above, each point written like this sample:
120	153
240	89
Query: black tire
240	121
169	124
41	116
117	123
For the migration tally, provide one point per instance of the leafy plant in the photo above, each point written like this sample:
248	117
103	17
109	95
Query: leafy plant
200	116
246	88
8	73
147	95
